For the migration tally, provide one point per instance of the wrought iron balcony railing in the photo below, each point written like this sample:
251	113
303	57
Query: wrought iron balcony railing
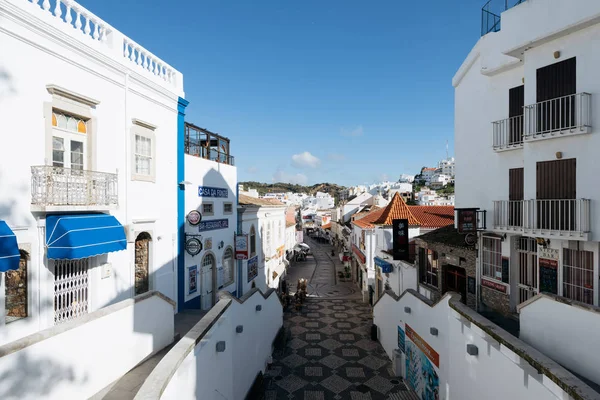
508	133
56	186
560	116
544	217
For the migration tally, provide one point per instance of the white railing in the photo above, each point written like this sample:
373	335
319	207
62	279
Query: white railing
56	186
89	27
508	133
508	214
567	114
557	216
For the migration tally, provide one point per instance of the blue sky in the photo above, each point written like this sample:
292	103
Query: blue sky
357	91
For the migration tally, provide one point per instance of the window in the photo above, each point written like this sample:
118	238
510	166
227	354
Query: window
207	209
428	267
68	141
16	291
227	208
491	254
228	267
144	151
252	241
578	275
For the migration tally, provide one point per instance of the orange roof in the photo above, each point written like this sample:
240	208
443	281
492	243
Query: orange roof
253	201
327	226
397	209
433	216
366	221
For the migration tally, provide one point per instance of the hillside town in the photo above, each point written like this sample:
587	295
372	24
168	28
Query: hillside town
135	263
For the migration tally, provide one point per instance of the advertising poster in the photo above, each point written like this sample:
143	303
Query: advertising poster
252	268
422	366
401	339
193	279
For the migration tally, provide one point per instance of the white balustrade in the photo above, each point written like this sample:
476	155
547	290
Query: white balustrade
147	61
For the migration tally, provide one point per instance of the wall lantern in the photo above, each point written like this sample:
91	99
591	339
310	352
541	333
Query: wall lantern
407	310
239	329
557	54
472	350
220	346
433	331
559	155
258	307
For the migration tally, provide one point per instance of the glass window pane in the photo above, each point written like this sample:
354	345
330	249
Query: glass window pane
58	143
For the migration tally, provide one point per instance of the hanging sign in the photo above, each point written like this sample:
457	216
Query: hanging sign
241	247
193	246
400	239
467	220
194	217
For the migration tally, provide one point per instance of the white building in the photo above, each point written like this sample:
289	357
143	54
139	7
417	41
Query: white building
264	221
531	88
439	180
404	178
210	181
446	166
426	174
97	156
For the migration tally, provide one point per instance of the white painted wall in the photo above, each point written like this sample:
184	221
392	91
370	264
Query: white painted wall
67	58
463	376
81	361
549	325
403	277
201	374
249	219
202	172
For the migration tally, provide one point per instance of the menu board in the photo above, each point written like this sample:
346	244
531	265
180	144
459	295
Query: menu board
505	269
548	275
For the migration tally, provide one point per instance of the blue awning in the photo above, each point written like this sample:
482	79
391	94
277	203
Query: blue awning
385	266
9	249
70	237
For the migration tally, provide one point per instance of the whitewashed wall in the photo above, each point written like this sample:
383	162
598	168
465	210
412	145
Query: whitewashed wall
249	219
40	50
81	357
193	369
567	333
201	172
463	376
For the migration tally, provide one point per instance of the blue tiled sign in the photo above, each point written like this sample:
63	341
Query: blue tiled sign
213	225
207	191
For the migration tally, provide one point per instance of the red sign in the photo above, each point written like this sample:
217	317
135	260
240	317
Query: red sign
423	345
548	263
493	285
241	247
359	254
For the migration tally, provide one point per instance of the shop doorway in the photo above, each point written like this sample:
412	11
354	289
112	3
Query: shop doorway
455	280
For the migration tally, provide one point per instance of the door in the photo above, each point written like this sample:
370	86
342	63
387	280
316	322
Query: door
456	281
556	191
528	269
556	86
208	269
71	289
516	102
69	159
515	197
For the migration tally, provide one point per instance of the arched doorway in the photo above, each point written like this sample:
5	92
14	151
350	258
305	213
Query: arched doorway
206	280
142	263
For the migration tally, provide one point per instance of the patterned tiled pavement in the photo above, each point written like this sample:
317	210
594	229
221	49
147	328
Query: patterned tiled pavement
330	355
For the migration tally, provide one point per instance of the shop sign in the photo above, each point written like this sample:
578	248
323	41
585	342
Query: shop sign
208	244
252	268
552	254
359	254
467	220
400	239
213	225
385	266
193	246
207	191
401	339
241	247
493	285
193	279
194	217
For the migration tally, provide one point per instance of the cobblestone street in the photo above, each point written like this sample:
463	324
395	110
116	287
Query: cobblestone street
329	353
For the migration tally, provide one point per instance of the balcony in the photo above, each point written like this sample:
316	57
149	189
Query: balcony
490	14
546	218
202	143
508	133
563	116
57	189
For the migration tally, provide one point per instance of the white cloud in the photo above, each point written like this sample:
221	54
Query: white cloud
282	176
336	157
358	131
252	170
304	160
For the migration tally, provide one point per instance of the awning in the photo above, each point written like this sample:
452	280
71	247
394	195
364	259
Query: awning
385	266
77	236
9	249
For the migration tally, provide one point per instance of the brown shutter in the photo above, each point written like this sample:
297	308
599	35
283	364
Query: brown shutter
515	184
556	179
556	80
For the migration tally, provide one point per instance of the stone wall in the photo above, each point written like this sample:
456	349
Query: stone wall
495	299
16	291
142	263
449	255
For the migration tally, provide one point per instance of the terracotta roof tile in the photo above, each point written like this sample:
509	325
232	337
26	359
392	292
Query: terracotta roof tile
433	216
397	209
366	222
327	226
253	201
